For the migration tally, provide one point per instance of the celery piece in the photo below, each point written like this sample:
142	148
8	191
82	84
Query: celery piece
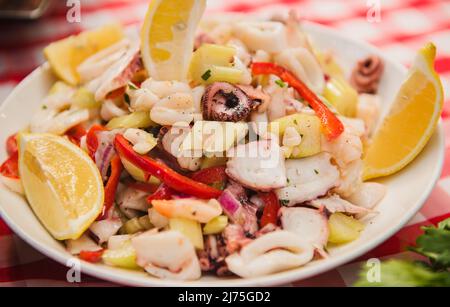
123	257
144	221
342	96
132	226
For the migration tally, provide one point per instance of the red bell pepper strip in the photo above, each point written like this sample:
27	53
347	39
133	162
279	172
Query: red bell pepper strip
162	193
271	207
331	125
116	93
11	145
144	187
111	186
76	133
164	173
210	175
91	256
10	168
92	140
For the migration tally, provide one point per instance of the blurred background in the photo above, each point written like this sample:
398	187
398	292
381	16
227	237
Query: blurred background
398	27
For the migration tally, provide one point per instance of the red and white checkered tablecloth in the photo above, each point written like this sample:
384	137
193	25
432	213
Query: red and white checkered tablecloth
405	26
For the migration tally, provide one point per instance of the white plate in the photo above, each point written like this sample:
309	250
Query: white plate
407	190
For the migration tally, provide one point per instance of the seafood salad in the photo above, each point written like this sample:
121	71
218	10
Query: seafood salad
227	145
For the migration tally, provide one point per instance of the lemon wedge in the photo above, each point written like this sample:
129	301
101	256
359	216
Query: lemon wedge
411	120
65	55
61	182
167	37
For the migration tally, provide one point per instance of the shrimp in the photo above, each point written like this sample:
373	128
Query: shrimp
199	210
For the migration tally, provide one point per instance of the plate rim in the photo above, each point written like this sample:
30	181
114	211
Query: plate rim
111	275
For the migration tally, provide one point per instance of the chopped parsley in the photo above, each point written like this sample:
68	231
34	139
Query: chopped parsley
132	86
206	75
280	83
316	171
44	107
284	202
126	97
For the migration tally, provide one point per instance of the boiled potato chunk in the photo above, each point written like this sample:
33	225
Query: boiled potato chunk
139	119
137	173
343	228
309	128
342	96
213	63
190	228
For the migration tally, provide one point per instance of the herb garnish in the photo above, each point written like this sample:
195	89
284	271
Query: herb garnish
280	83
206	75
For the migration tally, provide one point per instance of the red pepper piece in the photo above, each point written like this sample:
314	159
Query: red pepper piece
76	133
271	207
210	175
331	125
162	193
11	145
92	140
91	256
111	186
10	168
161	171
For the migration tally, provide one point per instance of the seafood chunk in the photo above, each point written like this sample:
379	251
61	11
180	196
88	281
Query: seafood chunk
308	224
369	111
199	210
131	201
368	194
171	140
110	109
304	65
225	102
308	178
167	255
257	165
261	35
238	208
334	204
351	178
273	252
118	74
